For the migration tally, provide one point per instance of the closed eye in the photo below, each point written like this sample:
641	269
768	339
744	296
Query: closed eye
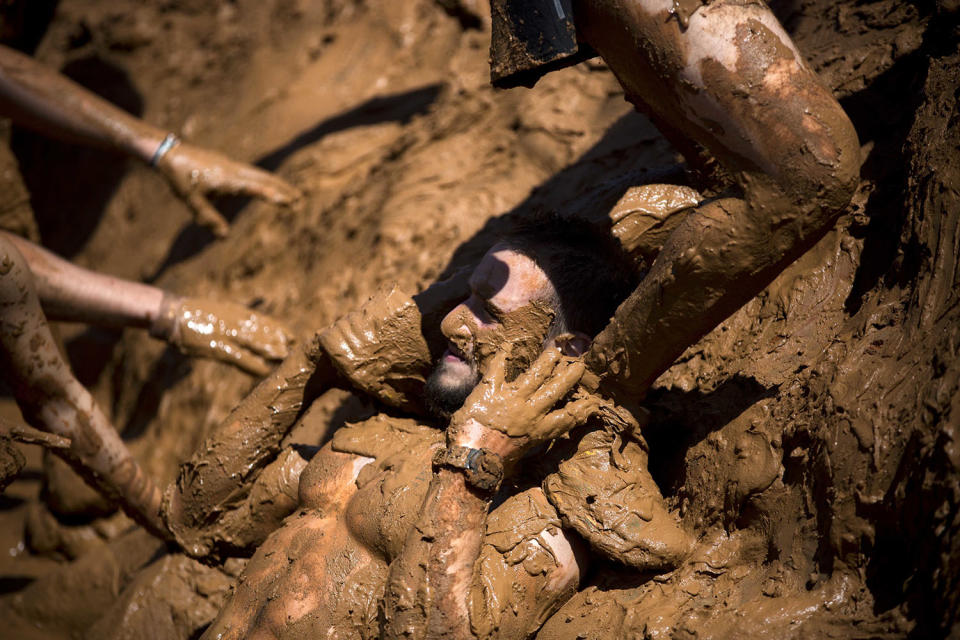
492	310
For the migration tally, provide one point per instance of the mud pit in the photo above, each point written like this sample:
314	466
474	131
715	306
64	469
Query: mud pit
811	443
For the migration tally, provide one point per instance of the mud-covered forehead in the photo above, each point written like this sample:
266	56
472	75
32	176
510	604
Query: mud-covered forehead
509	280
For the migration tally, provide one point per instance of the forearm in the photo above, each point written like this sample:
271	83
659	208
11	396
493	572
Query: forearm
230	459
428	591
68	292
428	588
40	98
51	399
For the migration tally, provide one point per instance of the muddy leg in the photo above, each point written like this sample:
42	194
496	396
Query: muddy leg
727	75
51	399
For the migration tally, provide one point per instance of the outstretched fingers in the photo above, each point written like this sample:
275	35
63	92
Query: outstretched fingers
254	182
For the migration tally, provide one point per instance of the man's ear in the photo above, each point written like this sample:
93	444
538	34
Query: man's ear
573	344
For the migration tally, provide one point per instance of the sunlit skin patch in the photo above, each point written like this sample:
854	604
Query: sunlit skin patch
503	288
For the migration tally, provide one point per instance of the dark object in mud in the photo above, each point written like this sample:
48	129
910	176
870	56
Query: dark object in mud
531	39
11	462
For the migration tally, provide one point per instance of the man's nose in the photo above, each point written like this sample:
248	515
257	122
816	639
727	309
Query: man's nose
454	325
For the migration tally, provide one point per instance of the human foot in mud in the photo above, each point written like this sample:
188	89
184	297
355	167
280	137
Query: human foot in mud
37	97
52	400
364	525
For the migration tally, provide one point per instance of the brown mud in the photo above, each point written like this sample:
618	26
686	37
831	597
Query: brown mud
809	446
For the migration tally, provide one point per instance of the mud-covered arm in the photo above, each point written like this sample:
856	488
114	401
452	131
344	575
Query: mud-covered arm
727	75
428	592
40	98
70	293
378	349
218	478
224	331
53	400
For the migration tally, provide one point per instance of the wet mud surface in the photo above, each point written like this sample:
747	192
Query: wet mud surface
808	448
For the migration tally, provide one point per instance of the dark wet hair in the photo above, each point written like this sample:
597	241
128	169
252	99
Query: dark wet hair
589	270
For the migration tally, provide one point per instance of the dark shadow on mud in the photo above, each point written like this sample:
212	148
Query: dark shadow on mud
680	419
70	185
171	367
883	114
90	352
23	24
398	107
587	188
353	409
11	502
12	584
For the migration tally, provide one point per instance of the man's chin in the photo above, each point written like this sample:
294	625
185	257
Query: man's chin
448	387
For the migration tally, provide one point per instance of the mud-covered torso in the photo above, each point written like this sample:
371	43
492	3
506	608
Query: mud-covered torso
597	481
390	489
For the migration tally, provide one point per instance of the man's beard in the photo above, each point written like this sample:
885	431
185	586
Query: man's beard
444	395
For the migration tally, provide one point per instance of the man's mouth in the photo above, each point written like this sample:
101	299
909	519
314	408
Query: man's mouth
452	354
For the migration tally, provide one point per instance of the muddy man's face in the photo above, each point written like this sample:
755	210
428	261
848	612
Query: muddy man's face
511	307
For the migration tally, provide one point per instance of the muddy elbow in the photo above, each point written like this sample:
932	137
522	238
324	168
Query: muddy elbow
839	179
814	177
827	172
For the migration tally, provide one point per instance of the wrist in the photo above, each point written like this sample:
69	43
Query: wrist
475	435
481	469
163	324
144	144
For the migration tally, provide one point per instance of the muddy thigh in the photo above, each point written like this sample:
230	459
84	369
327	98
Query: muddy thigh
528	568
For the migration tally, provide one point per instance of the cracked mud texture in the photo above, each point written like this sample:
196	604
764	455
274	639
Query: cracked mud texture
811	443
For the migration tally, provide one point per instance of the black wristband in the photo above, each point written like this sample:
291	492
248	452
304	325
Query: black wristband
482	469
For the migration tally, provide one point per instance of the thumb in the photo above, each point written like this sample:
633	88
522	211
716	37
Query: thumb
205	215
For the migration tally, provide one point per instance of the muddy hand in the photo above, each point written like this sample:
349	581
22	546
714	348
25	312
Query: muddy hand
224	331
194	172
381	349
529	410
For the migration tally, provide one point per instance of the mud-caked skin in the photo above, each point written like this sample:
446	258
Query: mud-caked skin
727	76
53	400
386	545
326	569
